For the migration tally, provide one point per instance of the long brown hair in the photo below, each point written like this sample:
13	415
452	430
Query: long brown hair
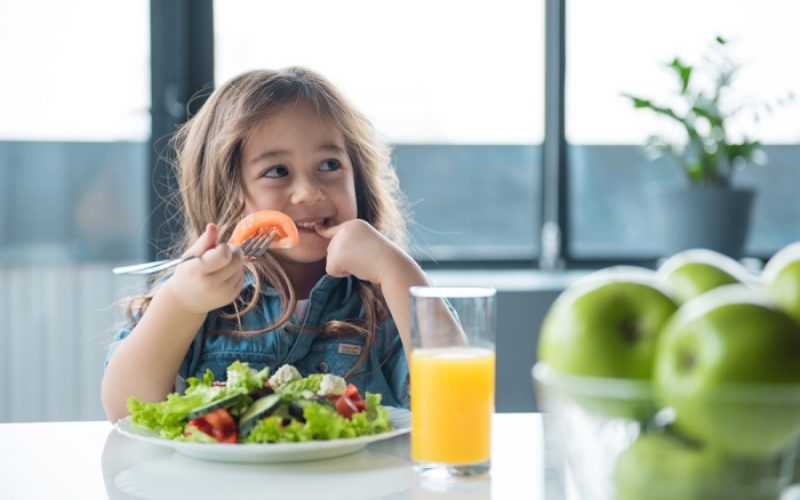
207	167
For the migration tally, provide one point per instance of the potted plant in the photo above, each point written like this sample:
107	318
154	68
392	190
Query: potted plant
708	210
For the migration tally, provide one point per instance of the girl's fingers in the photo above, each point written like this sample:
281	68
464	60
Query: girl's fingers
222	257
224	274
206	241
326	232
336	272
211	233
234	282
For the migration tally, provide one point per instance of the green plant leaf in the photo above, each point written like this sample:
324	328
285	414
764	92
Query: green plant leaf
710	113
684	72
745	150
641	103
705	154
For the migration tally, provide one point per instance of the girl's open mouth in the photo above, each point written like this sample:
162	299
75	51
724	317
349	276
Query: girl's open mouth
308	226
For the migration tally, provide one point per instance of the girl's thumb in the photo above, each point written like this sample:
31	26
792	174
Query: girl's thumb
206	241
211	235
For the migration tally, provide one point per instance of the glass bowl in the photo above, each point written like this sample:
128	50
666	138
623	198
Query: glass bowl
619	443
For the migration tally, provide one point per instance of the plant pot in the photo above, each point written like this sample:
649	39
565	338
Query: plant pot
710	217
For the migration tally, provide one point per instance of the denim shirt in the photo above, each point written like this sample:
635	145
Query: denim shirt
301	343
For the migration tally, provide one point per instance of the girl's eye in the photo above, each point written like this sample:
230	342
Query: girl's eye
331	164
277	171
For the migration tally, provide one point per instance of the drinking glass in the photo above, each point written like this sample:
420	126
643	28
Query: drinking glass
452	379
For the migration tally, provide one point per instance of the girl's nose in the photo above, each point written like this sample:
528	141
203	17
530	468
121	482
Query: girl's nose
306	190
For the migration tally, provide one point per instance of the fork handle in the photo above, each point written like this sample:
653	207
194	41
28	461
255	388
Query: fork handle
255	246
151	267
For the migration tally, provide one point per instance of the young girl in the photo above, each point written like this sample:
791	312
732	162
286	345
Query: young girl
336	303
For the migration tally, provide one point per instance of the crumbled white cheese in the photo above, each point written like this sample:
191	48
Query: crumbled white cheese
233	376
283	375
332	385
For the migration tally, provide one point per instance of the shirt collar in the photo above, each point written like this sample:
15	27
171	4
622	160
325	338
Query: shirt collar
326	281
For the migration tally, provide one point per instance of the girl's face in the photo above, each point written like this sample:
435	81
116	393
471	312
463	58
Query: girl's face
297	162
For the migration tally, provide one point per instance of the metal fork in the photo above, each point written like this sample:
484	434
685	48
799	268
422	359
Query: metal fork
254	247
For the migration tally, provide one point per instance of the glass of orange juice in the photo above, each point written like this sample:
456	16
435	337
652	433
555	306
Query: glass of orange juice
452	379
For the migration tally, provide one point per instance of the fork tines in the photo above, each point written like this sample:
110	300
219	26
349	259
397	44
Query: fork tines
257	245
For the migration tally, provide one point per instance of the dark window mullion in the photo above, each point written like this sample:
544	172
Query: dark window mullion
553	242
182	72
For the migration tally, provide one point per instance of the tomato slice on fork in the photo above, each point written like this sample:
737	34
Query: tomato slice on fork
265	222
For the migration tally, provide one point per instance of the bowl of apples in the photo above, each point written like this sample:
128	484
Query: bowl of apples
655	394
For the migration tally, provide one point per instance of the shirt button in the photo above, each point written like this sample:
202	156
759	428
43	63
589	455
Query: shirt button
323	367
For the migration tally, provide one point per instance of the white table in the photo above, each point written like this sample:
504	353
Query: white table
88	460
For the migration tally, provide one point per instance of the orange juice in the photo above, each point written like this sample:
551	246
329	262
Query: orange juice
452	401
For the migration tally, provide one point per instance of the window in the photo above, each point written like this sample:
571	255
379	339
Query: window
609	175
73	157
74	132
456	87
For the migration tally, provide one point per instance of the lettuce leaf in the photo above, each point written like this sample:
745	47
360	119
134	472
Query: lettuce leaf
243	380
302	388
167	417
323	422
271	430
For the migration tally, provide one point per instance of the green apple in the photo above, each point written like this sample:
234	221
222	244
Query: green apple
781	277
662	466
693	272
606	325
728	363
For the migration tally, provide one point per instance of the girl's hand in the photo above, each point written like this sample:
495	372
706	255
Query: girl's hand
356	248
212	280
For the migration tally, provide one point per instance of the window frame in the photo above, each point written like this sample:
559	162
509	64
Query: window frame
182	50
182	47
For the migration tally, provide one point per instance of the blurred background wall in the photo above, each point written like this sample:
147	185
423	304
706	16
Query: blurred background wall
521	160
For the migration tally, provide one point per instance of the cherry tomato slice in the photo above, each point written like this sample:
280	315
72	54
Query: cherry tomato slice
350	402
265	221
360	404
346	407
351	391
219	424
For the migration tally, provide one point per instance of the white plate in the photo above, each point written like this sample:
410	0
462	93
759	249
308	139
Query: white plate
271	452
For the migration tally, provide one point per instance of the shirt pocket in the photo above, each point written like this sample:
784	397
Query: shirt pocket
336	355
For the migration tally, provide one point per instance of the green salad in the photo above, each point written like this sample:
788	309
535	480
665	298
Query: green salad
252	407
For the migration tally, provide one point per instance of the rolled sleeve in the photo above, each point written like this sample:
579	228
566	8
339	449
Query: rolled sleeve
115	342
124	332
